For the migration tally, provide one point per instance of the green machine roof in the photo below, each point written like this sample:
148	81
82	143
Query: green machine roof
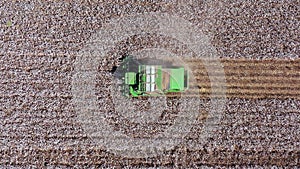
156	77
130	78
177	79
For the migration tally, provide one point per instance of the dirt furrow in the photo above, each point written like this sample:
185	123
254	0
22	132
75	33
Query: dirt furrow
248	78
256	95
244	62
245	85
249	90
95	156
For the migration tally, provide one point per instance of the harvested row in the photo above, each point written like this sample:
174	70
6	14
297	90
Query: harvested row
246	78
239	95
248	62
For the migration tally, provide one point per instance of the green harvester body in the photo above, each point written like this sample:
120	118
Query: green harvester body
152	79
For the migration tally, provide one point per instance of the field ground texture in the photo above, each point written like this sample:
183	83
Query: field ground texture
257	43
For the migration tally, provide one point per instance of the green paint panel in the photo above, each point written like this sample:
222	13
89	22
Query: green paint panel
130	78
158	79
177	79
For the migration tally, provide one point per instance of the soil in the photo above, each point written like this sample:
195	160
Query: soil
256	41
